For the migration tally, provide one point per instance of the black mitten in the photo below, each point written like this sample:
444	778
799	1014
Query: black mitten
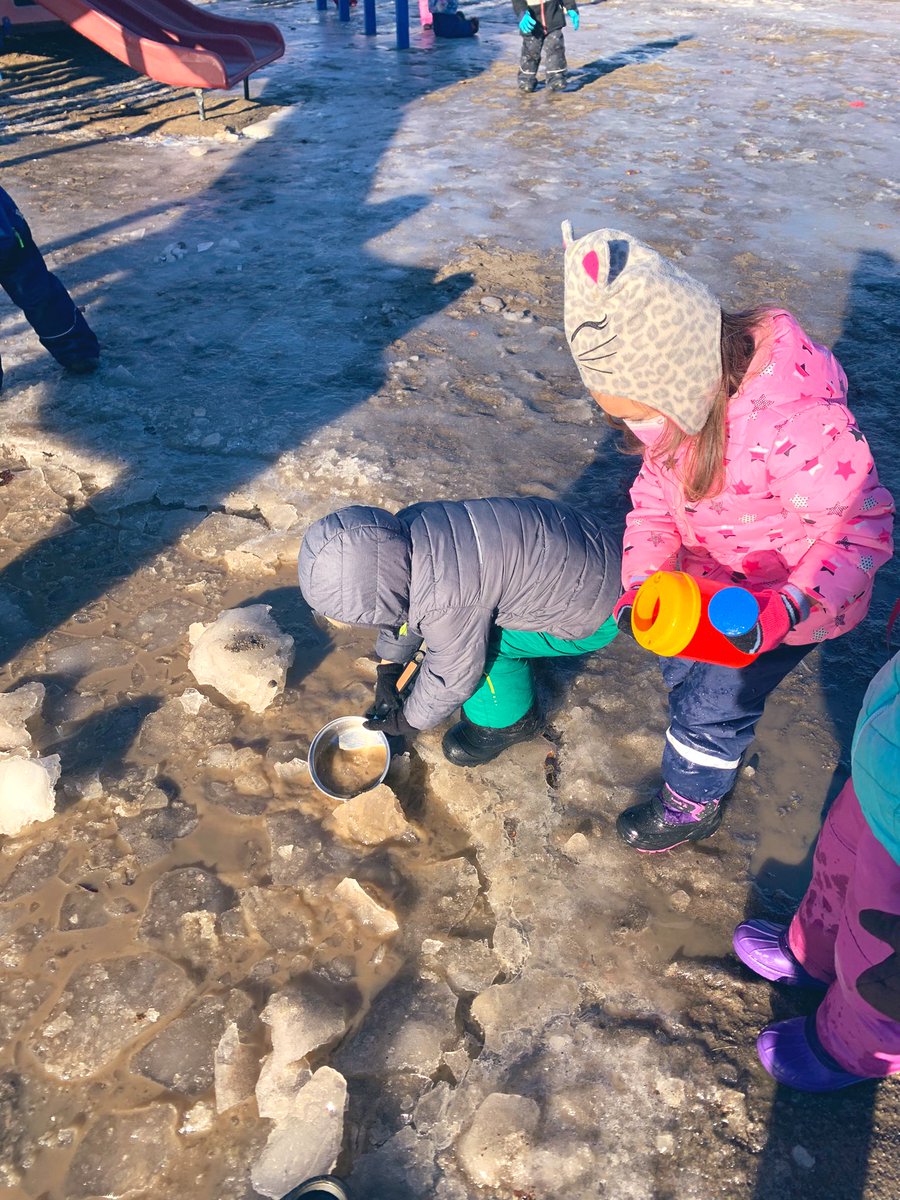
392	724
387	698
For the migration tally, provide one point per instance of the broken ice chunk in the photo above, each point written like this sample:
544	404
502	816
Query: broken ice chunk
366	910
27	791
308	1141
235	1069
15	709
278	1086
371	818
242	654
302	1019
124	1153
180	1057
494	1150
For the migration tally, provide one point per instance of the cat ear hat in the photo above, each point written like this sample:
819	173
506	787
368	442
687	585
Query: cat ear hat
641	328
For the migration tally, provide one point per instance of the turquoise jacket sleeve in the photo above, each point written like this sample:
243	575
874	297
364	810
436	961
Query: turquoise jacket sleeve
875	757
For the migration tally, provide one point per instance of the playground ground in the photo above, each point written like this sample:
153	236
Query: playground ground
350	290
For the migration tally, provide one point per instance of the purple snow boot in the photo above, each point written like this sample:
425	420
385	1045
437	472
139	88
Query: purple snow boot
763	947
668	820
793	1055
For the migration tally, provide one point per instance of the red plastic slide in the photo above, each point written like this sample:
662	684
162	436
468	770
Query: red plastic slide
172	41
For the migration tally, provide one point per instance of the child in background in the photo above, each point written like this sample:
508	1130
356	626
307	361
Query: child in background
845	936
448	22
541	26
446	19
487	585
754	472
47	306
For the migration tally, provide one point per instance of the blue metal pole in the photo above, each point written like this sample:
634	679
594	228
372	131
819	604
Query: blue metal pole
402	9
344	10
369	17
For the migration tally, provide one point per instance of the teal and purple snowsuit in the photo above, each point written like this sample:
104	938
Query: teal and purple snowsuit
857	868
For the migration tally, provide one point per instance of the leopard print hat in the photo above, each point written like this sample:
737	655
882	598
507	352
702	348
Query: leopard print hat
641	328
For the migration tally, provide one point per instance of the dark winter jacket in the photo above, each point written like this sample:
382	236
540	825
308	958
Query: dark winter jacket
550	15
450	571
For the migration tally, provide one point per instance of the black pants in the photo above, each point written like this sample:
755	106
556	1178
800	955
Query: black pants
47	306
554	48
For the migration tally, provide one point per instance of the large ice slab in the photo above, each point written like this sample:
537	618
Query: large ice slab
242	654
27	791
307	1142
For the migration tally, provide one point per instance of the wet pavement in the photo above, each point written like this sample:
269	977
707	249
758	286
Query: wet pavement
360	299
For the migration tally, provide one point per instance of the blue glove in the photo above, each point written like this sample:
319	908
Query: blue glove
572	14
527	24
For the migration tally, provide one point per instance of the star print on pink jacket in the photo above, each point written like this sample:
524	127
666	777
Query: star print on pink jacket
801	504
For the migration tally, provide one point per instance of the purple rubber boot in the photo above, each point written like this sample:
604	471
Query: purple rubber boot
793	1055
763	947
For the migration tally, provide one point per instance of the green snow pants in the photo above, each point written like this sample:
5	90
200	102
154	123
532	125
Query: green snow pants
506	691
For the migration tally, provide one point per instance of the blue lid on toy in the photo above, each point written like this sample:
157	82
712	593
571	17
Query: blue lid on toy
733	611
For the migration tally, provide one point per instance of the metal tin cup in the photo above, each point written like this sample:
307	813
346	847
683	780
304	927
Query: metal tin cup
346	734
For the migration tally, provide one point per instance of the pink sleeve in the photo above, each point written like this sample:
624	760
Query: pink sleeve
831	480
652	540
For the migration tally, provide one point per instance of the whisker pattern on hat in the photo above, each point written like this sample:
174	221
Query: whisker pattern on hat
584	356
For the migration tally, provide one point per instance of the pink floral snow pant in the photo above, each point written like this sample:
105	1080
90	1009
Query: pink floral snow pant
424	13
851	871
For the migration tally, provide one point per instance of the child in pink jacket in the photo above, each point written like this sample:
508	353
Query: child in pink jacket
754	472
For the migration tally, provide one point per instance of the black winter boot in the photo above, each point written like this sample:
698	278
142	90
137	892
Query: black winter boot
323	1187
469	745
82	366
666	821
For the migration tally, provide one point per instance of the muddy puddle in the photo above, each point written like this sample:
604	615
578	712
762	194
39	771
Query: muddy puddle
195	878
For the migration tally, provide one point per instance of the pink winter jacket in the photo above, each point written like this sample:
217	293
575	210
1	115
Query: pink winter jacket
801	504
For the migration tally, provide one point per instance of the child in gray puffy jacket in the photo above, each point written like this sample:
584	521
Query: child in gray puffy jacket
486	585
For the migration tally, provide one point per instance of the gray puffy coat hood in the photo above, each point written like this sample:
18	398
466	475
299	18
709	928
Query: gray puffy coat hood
452	571
354	567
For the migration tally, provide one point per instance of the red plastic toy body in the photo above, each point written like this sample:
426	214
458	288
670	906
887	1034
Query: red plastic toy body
670	617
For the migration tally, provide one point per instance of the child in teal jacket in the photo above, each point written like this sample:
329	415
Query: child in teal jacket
845	937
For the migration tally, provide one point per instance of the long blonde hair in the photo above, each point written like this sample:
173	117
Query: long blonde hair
703	467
